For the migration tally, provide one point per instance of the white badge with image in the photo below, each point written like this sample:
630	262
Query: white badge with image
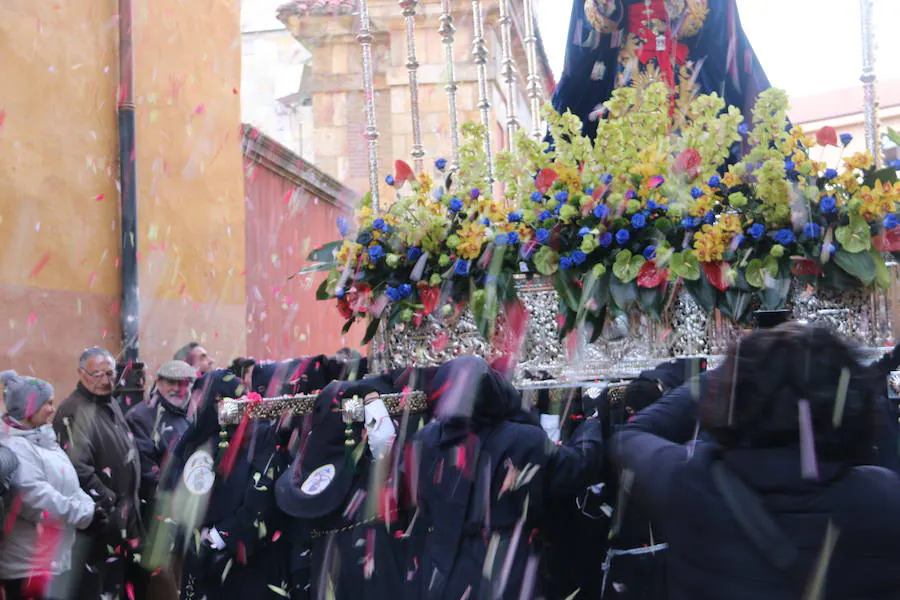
318	481
198	475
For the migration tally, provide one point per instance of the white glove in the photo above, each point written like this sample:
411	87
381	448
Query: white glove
215	539
550	424
380	430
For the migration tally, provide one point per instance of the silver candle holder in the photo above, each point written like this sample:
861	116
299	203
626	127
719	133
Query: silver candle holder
412	66
371	133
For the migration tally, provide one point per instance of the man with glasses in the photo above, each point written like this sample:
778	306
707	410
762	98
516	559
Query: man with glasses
92	430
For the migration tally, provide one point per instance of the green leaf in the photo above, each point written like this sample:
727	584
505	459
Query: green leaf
323	291
703	293
738	303
598	321
882	275
651	301
546	261
685	265
326	252
859	265
838	279
884	175
370	331
564	288
346	328
623	293
855	236
774	296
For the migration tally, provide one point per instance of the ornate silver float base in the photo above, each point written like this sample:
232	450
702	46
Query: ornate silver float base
863	315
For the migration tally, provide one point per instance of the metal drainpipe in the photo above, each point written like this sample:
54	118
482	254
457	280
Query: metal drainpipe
131	369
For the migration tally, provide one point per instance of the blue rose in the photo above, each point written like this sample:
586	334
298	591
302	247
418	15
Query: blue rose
589	191
514	217
389	180
392	293
537	197
689	222
828	204
541	235
601	211
461	267
456	205
486	222
584	231
375	253
512	238
638	220
440	164
709	218
474	193
579	257
737	241
757	230
789	165
651	205
606	178
340	293
622	236
562	196
545	215
890	221
784	236
846	138
696	192
830	174
811	230
364	238
565	263
405	290
630	195
413	253
343	226
605	239
501	239
650	252
743	129
714	181
526	251
831	248
380	225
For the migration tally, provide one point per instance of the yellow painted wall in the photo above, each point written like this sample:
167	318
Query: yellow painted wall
59	215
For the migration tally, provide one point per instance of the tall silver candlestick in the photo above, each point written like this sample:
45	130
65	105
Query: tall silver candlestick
371	132
412	67
509	71
447	30
479	56
533	82
870	98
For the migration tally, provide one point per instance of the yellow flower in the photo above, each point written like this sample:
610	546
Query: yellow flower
349	251
878	200
570	177
860	160
471	237
731	179
701	206
709	244
730	224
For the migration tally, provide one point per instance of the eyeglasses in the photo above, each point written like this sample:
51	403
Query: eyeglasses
99	374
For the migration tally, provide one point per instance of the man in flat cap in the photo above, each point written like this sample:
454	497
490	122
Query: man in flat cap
159	421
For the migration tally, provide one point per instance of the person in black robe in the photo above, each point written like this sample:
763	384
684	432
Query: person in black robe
612	42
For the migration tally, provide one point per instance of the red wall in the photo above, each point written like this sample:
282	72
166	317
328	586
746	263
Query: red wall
285	219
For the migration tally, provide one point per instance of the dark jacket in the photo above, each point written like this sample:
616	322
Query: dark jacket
487	477
156	425
93	432
709	555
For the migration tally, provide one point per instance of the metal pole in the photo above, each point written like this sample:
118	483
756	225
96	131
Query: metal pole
412	66
509	72
371	133
533	85
130	313
870	98
479	56
447	30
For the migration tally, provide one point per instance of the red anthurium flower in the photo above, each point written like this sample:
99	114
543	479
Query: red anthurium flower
545	179
888	240
688	163
344	308
805	267
430	297
650	276
402	172
827	136
717	274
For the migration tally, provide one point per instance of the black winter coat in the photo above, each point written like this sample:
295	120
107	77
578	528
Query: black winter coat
710	558
157	426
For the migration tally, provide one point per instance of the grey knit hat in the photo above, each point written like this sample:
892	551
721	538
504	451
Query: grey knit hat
23	396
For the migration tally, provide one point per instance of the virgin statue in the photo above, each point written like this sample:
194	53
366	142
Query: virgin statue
614	43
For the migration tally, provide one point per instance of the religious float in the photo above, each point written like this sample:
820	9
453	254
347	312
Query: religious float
650	221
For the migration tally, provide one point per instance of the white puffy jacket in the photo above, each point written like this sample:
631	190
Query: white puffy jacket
45	482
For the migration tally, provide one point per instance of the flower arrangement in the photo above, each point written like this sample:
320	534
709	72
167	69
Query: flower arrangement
655	201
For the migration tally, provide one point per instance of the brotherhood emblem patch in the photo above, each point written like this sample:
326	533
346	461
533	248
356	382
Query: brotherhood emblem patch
198	475
318	480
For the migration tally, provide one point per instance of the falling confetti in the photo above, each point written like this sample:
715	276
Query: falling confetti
41	263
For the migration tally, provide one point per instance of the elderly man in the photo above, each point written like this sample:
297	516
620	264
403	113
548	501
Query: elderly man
159	422
195	355
92	430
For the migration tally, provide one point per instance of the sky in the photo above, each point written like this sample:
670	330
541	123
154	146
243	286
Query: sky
805	46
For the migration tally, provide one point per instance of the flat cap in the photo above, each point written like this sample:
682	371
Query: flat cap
177	370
